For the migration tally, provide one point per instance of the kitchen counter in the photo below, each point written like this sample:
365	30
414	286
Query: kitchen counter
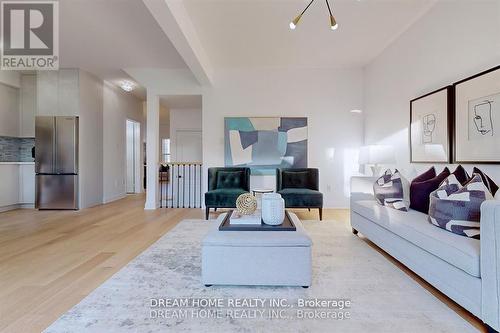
17	163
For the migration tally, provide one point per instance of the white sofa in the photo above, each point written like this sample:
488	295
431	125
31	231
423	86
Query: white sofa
466	270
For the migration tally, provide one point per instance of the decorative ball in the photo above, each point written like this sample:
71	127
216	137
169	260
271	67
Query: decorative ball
246	204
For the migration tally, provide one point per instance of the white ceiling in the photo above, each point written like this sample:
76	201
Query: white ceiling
104	36
181	101
255	33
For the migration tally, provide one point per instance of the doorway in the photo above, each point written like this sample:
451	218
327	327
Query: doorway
133	143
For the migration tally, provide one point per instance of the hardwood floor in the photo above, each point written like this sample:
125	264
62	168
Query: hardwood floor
49	261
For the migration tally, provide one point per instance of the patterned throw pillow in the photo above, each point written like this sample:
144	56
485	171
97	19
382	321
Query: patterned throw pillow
458	209
448	186
490	184
392	190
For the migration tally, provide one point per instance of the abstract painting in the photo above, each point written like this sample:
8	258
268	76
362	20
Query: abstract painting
430	127
265	143
477	118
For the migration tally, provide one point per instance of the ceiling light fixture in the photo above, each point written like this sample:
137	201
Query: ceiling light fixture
333	23
127	85
356	111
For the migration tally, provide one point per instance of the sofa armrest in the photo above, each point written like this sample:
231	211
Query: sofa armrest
490	262
362	188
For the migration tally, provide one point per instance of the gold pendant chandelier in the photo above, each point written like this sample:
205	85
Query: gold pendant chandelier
333	22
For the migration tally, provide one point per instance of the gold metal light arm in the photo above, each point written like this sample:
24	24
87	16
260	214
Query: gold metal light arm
296	20
333	22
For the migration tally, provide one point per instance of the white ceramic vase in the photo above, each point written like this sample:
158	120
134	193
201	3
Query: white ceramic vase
273	208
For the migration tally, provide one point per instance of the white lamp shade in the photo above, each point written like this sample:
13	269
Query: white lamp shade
377	154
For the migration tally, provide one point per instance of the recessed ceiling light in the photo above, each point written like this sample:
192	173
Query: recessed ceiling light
356	111
127	85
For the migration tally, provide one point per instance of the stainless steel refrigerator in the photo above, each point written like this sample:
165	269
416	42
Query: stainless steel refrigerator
56	162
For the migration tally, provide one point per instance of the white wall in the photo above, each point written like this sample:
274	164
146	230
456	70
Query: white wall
454	40
91	140
9	110
183	119
324	96
164	127
118	106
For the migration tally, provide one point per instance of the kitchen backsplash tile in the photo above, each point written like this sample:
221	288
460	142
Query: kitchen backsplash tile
16	149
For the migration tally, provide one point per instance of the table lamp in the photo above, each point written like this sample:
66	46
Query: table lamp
375	155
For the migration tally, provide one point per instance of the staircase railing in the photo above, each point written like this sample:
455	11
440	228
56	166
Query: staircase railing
181	185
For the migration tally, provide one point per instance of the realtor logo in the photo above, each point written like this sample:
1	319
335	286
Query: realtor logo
29	35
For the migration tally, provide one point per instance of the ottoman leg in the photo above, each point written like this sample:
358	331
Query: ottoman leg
305	287
354	231
208	285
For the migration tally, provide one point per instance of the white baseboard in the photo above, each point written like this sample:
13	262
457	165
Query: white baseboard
16	206
114	198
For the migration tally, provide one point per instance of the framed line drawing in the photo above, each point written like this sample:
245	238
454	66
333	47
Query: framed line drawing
431	127
477	118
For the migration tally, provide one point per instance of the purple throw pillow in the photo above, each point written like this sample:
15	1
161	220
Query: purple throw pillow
429	174
461	175
490	184
420	191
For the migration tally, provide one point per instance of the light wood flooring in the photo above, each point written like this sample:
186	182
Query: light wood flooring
49	261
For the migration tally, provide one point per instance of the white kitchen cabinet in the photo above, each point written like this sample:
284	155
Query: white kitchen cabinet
69	92
26	184
27	106
9	186
9	111
58	93
47	84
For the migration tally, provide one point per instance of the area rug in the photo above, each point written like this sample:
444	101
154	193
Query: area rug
381	297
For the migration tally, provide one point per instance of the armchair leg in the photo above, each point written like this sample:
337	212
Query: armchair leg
215	209
309	209
354	231
321	214
207	212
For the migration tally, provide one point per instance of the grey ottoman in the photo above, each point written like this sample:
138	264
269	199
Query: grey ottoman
258	258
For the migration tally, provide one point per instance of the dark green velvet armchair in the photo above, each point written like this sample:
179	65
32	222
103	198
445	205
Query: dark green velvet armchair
300	188
225	185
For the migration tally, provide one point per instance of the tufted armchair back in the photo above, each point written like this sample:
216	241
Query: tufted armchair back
231	177
307	178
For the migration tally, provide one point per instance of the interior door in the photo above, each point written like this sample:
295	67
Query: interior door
188	146
130	157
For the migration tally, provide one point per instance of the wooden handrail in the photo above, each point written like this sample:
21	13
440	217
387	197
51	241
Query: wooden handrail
182	163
